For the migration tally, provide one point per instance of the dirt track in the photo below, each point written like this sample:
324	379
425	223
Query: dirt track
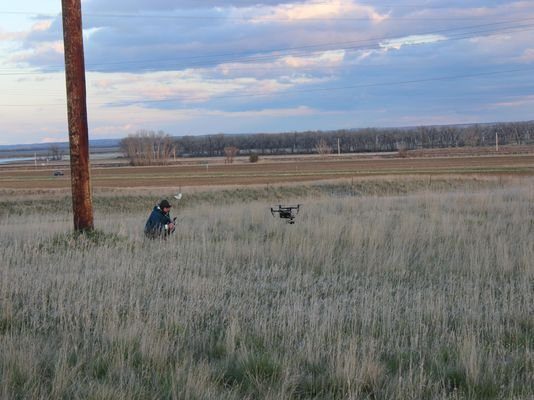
270	172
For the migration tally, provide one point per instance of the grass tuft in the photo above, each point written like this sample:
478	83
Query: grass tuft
252	372
84	240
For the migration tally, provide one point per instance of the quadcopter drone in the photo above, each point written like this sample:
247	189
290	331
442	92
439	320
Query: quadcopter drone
286	212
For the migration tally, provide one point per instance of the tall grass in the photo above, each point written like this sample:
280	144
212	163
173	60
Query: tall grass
413	296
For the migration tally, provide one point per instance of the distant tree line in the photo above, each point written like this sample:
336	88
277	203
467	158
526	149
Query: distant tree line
360	140
148	147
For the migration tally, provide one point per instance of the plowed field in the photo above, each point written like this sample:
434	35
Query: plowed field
269	172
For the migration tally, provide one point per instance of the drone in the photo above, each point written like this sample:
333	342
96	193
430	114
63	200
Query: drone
286	212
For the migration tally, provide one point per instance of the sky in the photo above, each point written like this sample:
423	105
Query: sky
192	67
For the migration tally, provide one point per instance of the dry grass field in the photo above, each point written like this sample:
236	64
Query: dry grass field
383	289
271	171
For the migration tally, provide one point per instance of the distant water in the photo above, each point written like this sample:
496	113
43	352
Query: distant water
15	160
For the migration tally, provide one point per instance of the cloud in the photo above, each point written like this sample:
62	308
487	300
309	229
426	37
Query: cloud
50	53
327	58
88	33
164	43
527	56
113	130
299	111
519	102
40	46
225	33
41	26
165	89
501	48
11	36
411	40
316	9
123	121
171	5
55	139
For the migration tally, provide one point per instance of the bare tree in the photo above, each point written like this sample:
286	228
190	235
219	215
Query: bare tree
472	136
147	148
359	140
55	153
322	148
230	152
402	150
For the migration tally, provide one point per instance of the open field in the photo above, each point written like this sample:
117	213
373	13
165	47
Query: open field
383	289
276	170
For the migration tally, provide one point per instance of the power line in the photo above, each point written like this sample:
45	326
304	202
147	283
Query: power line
276	19
254	18
324	44
311	90
265	58
61	96
288	6
242	57
364	85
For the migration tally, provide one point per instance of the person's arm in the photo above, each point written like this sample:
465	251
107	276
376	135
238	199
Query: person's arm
169	224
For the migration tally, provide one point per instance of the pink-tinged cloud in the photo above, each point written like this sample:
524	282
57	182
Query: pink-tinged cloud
11	36
187	87
40	26
123	120
522	101
44	51
282	66
527	56
55	139
147	117
113	130
325	59
317	9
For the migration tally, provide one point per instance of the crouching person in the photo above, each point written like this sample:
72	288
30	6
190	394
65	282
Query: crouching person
159	223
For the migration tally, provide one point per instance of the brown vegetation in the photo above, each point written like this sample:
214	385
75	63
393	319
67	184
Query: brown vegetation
274	172
230	152
322	148
148	148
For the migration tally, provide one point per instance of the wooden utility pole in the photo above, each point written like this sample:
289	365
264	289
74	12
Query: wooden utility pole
82	204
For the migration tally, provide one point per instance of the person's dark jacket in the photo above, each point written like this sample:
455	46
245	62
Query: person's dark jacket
155	225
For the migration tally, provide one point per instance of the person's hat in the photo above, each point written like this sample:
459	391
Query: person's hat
164	204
